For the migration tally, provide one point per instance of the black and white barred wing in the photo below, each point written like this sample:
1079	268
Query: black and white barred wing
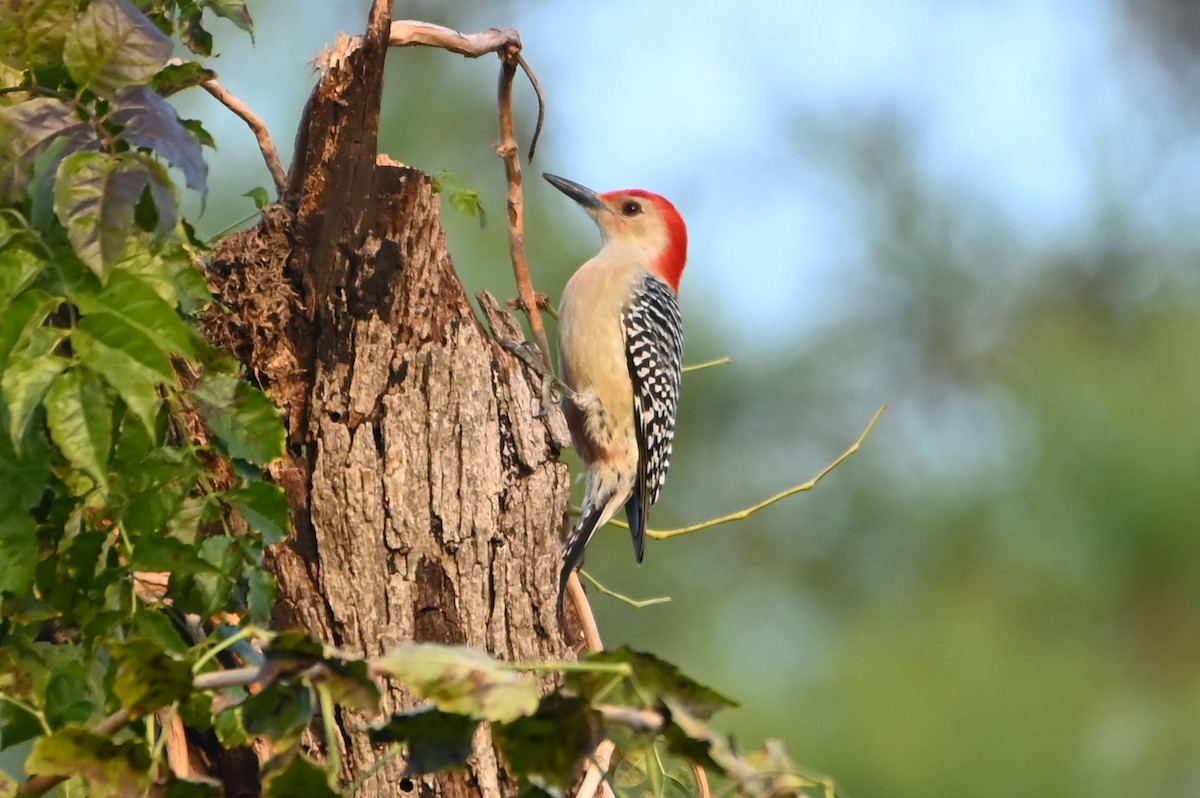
654	349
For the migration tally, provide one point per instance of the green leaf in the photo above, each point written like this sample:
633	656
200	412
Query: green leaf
17	725
294	775
228	727
127	358
242	417
349	680
436	740
690	738
95	198
159	553
206	592
113	44
265	508
18	548
235	11
193	35
23	318
260	594
550	745
24	385
176	77
140	306
156	627
23	477
461	680
18	268
197	129
261	197
148	678
32	33
280	712
27	130
196	787
79	414
461	197
111	769
652	682
22	483
151	122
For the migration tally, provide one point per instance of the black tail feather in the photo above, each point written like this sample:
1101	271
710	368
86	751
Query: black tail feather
636	516
573	552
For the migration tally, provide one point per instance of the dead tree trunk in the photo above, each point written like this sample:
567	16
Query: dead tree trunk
426	496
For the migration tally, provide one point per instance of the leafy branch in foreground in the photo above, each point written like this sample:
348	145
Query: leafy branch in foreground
645	702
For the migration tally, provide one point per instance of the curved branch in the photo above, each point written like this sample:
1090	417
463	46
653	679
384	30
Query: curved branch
257	127
663	534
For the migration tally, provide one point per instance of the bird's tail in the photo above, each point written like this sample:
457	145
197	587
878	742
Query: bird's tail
573	550
635	513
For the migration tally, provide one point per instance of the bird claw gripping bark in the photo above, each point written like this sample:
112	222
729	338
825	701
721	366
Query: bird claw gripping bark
507	332
552	387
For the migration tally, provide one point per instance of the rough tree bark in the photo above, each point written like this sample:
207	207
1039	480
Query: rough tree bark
426	495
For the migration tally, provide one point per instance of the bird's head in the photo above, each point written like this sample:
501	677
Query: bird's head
635	224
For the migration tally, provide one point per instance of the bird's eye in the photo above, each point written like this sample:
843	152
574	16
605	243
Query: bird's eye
630	208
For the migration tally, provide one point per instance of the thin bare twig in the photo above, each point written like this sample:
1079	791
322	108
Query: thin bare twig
258	127
598	766
663	534
503	41
637	604
721	361
516	201
591	632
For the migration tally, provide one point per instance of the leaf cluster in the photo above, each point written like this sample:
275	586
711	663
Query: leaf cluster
133	506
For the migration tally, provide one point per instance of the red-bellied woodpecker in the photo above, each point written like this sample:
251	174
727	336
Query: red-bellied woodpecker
620	349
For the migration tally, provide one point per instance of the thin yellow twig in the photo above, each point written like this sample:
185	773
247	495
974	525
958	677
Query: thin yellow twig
637	604
663	534
721	361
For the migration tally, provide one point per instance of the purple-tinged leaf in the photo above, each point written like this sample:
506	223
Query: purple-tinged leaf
113	44
151	122
27	129
94	199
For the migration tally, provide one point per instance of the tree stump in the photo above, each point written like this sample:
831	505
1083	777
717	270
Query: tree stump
426	495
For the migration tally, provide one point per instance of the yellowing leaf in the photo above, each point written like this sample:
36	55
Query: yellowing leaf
113	44
461	680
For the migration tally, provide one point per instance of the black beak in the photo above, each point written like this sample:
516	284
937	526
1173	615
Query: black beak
584	196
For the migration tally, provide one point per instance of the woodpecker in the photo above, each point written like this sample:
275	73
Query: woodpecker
620	349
